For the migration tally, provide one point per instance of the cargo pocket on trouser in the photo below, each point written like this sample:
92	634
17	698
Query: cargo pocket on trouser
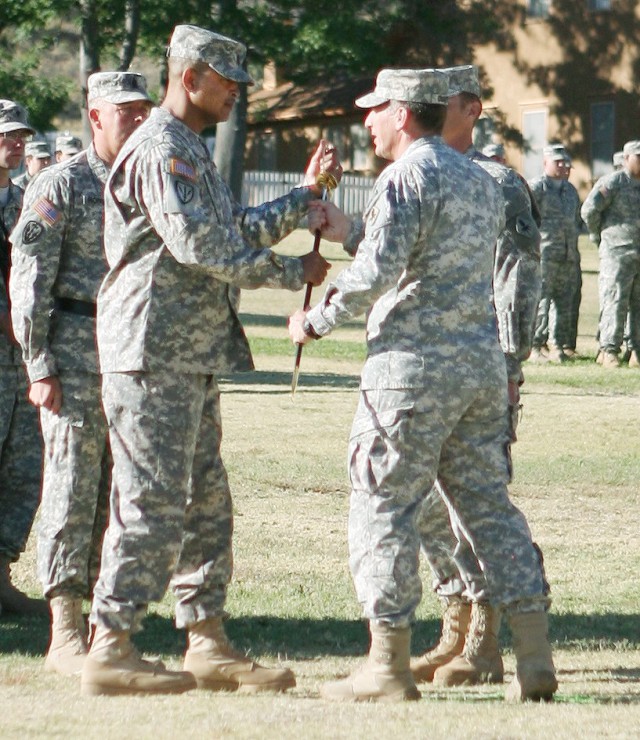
383	542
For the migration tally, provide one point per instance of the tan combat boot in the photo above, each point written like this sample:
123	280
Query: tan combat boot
535	678
13	601
113	666
556	354
218	667
610	360
455	622
480	661
68	647
634	360
385	676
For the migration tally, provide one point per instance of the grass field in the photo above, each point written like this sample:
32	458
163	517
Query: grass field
577	467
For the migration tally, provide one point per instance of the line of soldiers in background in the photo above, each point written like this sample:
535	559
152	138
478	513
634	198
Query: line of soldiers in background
37	155
609	213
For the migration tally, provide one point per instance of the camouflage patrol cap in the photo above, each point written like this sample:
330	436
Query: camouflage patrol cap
224	55
618	159
407	85
67	143
556	153
631	147
37	149
463	79
117	87
13	117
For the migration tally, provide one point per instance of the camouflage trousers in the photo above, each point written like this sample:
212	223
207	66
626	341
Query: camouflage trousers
75	488
20	462
561	280
456	570
171	516
401	441
619	290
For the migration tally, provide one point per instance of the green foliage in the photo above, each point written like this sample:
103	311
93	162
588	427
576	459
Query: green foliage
43	96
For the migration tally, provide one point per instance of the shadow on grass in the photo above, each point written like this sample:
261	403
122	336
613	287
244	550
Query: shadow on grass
307	381
312	638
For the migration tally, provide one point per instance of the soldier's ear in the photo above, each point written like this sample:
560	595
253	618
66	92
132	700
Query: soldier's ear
94	117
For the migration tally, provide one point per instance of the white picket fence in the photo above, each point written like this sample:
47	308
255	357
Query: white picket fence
260	187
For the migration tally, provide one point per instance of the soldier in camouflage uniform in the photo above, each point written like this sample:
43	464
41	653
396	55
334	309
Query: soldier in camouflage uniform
20	439
37	157
611	214
559	205
67	146
433	391
58	265
174	242
468	650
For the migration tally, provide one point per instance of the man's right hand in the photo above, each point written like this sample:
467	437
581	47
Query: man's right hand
47	393
315	268
333	224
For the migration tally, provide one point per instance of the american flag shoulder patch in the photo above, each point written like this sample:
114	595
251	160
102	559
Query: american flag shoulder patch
182	169
47	211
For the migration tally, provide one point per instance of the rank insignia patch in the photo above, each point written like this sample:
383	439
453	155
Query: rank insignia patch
47	211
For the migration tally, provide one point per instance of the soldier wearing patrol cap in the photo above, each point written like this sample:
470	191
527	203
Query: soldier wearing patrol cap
611	214
558	309
37	156
20	440
468	650
67	146
58	266
433	390
166	328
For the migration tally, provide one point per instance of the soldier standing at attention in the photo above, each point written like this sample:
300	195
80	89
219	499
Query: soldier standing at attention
67	146
610	212
58	266
37	157
20	439
433	390
559	205
468	651
174	241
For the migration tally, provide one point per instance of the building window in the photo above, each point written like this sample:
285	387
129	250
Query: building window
599	4
602	138
538	8
534	132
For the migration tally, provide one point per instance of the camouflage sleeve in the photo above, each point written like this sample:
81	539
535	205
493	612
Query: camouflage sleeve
356	235
193	217
37	242
593	207
517	276
391	229
265	225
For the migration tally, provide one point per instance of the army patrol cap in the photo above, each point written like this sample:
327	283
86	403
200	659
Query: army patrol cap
13	117
556	153
618	159
463	79
117	87
68	143
37	149
631	147
408	86
493	150
224	55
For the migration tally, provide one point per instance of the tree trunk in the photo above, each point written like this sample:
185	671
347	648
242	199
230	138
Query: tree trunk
131	30
89	57
230	142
